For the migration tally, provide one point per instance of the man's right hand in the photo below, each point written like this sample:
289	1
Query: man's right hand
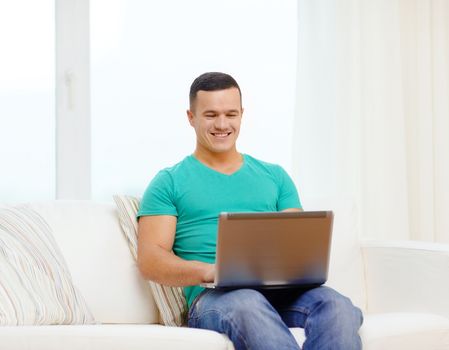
209	273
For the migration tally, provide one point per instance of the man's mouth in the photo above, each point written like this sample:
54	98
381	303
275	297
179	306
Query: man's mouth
221	134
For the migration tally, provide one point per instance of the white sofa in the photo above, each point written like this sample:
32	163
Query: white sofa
402	287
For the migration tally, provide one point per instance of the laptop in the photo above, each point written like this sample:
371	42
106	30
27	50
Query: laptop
272	249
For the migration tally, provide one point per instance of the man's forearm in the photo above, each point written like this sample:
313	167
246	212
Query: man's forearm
166	268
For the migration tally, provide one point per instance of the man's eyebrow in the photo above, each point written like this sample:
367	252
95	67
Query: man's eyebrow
228	111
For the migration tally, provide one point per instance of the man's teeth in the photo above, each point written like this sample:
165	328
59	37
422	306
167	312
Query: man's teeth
224	134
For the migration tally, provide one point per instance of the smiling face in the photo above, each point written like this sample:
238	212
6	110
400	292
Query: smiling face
216	117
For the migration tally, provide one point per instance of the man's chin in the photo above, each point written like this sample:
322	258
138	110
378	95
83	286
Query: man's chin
221	150
218	147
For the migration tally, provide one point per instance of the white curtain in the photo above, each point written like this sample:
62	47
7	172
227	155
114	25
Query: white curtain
372	117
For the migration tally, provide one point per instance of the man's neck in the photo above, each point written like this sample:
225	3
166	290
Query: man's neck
227	162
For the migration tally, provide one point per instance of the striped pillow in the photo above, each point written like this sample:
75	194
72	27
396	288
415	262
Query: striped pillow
35	284
170	300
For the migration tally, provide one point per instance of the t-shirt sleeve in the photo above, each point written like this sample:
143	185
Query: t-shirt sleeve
158	198
288	195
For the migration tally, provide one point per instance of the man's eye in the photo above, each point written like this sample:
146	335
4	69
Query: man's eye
210	115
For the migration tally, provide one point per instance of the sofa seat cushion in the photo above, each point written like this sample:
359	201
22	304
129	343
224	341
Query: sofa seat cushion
411	331
389	331
393	331
111	337
299	335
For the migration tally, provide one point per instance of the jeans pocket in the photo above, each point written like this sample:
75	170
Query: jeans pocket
194	307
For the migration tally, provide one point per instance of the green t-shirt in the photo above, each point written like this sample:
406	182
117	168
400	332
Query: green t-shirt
196	194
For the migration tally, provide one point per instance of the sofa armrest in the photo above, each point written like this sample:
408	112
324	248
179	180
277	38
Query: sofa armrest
406	276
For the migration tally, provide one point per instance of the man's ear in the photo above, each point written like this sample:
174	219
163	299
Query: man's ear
190	116
243	109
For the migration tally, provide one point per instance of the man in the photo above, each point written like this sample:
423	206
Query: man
179	212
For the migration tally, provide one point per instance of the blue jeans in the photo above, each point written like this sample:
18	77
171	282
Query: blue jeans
259	319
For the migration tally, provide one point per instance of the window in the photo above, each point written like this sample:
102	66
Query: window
144	56
27	100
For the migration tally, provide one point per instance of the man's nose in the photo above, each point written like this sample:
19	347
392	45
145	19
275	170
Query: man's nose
221	122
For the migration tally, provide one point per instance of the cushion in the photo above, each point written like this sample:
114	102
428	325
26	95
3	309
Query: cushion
170	300
35	284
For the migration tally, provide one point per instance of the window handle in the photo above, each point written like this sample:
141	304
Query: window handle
69	79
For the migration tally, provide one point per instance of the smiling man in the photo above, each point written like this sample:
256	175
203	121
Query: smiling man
178	219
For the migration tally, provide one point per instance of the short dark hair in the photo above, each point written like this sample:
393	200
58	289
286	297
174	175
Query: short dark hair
212	81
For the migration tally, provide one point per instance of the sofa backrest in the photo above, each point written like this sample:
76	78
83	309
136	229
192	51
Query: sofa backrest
97	254
346	272
90	238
